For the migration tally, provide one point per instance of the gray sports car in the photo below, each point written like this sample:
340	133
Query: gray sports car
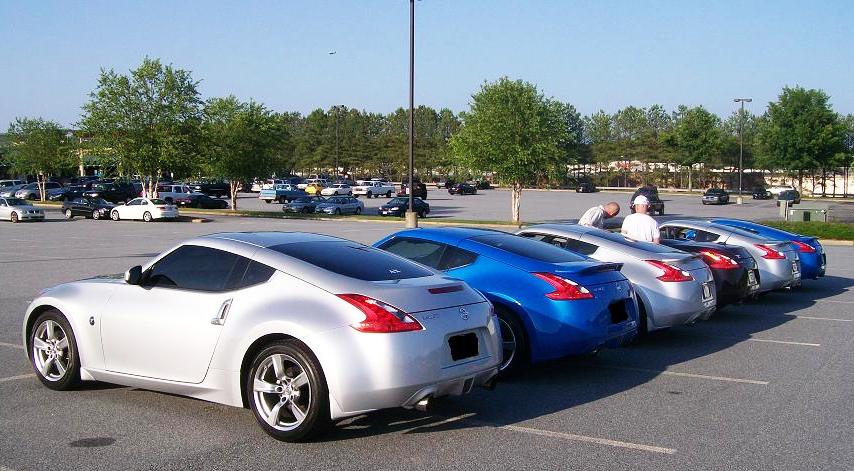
673	287
302	328
777	260
16	209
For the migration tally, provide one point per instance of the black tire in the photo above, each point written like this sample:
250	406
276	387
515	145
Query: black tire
358	211
305	210
388	194
337	211
96	214
520	358
68	379
14	217
317	419
421	214
268	201
368	195
146	216
31	197
68	214
114	215
643	323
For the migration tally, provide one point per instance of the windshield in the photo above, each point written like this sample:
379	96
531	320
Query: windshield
353	260
529	248
17	202
98	201
398	201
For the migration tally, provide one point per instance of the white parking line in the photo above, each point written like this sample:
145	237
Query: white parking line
687	375
11	345
13	378
583	438
825	318
833	301
785	342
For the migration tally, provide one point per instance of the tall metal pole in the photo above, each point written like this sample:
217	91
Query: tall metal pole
336	140
412	218
741	143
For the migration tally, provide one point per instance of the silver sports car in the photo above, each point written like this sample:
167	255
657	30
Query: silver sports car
301	328
778	262
673	287
16	209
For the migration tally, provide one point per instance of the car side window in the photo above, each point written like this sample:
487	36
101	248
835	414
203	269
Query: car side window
248	273
705	236
574	245
455	258
193	267
421	251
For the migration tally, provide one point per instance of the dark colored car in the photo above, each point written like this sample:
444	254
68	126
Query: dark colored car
586	188
792	196
303	204
656	206
95	208
462	189
734	269
201	202
760	193
445	183
483	185
214	188
68	192
715	196
420	189
116	192
399	205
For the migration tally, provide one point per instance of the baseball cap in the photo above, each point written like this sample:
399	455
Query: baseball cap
640	199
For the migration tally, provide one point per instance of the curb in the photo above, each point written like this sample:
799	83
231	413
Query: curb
836	242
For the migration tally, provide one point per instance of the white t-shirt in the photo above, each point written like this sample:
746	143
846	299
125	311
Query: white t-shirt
593	217
641	227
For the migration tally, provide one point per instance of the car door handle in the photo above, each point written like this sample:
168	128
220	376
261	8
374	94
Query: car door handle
222	314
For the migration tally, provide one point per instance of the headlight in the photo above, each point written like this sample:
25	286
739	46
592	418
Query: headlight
394	208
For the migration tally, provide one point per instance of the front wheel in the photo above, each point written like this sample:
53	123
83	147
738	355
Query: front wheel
368	195
268	201
14	217
146	216
96	214
114	215
53	351
288	393
68	214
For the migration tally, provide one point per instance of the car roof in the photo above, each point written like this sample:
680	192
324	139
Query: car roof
447	235
272	238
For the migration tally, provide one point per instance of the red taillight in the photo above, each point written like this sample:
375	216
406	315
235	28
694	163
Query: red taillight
671	273
565	290
802	247
379	316
769	253
718	260
161	207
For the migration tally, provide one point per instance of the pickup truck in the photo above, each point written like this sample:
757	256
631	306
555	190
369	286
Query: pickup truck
281	193
212	188
373	188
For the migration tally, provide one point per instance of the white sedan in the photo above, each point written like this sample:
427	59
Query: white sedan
144	209
338	189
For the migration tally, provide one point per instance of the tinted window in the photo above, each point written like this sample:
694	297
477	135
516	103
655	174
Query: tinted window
422	251
193	267
621	239
247	273
456	258
353	260
575	245
528	248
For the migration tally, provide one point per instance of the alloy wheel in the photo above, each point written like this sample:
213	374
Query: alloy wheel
50	350
508	344
282	390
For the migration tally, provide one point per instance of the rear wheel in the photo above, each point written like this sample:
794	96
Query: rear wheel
96	214
68	214
287	392
514	343
643	324
146	216
268	201
53	351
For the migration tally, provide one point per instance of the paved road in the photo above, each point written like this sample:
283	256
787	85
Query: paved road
765	385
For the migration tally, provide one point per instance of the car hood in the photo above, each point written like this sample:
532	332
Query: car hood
25	207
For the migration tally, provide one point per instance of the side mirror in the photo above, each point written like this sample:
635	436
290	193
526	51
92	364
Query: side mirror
134	275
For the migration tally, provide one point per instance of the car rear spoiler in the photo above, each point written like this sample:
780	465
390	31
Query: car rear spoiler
602	267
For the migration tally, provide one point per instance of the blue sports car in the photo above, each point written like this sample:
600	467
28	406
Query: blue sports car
550	302
810	251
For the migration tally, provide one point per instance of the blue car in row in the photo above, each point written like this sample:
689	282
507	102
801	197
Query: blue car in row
550	302
810	252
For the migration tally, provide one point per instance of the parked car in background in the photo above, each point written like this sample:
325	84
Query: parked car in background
810	251
16	210
212	188
256	186
399	205
483	185
586	187
172	192
375	188
444	183
420	189
462	189
281	192
200	201
790	196
9	187
337	189
656	206
550	302
31	191
95	208
760	193
144	209
340	205
777	189
303	204
116	192
68	192
734	269
318	182
715	196
778	263
314	188
673	287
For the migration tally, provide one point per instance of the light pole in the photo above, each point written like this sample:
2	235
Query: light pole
741	144
337	111
411	216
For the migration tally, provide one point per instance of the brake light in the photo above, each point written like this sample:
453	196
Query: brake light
565	290
718	260
379	316
769	253
802	247
670	273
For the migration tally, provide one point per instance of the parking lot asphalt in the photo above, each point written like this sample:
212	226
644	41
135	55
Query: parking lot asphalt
762	385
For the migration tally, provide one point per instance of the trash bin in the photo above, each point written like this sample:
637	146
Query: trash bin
808	214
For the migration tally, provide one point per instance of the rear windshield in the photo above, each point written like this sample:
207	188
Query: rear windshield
529	248
621	239
353	260
158	201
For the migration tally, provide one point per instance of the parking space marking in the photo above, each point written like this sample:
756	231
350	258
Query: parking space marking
825	318
584	438
11	345
13	378
687	375
833	301
785	342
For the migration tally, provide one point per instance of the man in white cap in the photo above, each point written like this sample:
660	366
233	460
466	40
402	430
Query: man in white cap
596	216
640	225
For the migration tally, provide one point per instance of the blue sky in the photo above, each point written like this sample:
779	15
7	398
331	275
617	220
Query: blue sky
593	54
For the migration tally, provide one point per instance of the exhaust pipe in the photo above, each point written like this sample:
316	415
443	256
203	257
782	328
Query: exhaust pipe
424	405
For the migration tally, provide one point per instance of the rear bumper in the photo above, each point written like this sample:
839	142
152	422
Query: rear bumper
778	274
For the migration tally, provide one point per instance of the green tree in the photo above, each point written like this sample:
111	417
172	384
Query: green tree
800	132
38	147
241	140
696	138
513	130
148	120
